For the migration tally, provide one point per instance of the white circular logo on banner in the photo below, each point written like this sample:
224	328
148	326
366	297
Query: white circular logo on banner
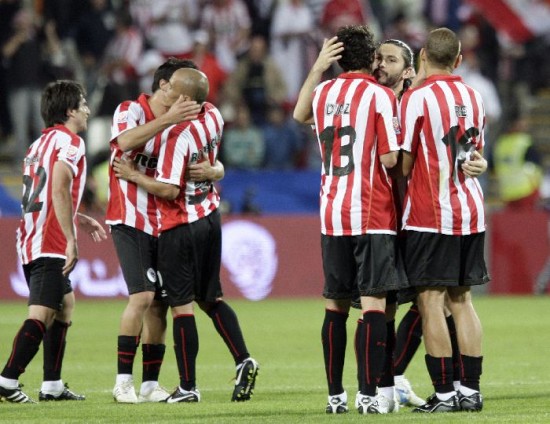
249	252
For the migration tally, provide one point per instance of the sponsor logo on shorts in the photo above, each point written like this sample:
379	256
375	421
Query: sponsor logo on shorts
152	275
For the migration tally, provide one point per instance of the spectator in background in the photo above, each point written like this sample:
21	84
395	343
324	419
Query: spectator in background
228	25
25	56
146	66
167	24
208	64
257	81
518	167
119	64
283	142
338	13
92	34
291	30
261	14
8	8
243	145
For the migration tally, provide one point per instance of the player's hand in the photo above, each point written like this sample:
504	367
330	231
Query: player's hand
182	110
92	227
330	53
201	171
71	252
124	169
475	166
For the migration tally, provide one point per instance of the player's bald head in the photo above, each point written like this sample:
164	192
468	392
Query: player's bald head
442	47
192	83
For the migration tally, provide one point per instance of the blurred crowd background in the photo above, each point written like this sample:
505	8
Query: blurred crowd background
256	54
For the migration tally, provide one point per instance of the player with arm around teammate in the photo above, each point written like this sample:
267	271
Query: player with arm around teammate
54	174
133	216
190	220
442	122
355	120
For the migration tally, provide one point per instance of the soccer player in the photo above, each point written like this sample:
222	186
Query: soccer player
189	246
133	217
355	120
442	122
54	174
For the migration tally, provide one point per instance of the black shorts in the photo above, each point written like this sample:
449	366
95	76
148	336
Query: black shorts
440	260
137	254
364	265
47	284
189	261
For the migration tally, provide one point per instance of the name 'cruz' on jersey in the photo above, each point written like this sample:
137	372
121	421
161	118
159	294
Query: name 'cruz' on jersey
337	109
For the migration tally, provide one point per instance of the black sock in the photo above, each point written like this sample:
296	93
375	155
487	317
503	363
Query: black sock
334	340
186	347
25	345
374	323
153	355
454	344
54	350
227	325
127	346
441	373
359	347
386	379
472	369
407	340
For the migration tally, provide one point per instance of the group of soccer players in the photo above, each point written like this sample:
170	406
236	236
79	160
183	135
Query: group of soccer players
399	181
166	227
402	219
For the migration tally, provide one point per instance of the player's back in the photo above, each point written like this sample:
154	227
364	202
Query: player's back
442	123
355	121
181	145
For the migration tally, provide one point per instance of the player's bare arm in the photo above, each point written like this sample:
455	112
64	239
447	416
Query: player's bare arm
204	171
475	166
126	170
63	206
181	110
90	226
330	53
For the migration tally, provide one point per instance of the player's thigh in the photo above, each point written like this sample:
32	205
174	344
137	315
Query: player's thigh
177	265
473	266
47	284
376	261
339	267
137	254
208	246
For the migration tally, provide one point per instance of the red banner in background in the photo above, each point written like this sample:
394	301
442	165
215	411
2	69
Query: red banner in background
518	250
276	256
280	256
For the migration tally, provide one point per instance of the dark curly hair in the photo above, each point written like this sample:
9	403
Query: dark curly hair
359	47
167	69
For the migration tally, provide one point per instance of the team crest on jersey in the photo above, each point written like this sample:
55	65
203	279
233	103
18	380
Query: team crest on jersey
461	111
72	151
122	116
396	126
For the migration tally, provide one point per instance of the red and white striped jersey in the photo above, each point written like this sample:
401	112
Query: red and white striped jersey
39	234
181	145
356	123
129	204
442	123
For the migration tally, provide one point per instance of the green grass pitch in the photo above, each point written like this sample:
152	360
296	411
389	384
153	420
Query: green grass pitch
284	336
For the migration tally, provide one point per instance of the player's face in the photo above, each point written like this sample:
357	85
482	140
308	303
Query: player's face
175	87
82	114
389	66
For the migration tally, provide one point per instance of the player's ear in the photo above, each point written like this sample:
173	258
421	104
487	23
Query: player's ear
458	61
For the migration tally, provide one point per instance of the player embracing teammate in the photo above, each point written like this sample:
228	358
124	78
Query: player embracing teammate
442	122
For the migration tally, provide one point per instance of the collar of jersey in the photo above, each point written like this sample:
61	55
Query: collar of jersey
357	75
